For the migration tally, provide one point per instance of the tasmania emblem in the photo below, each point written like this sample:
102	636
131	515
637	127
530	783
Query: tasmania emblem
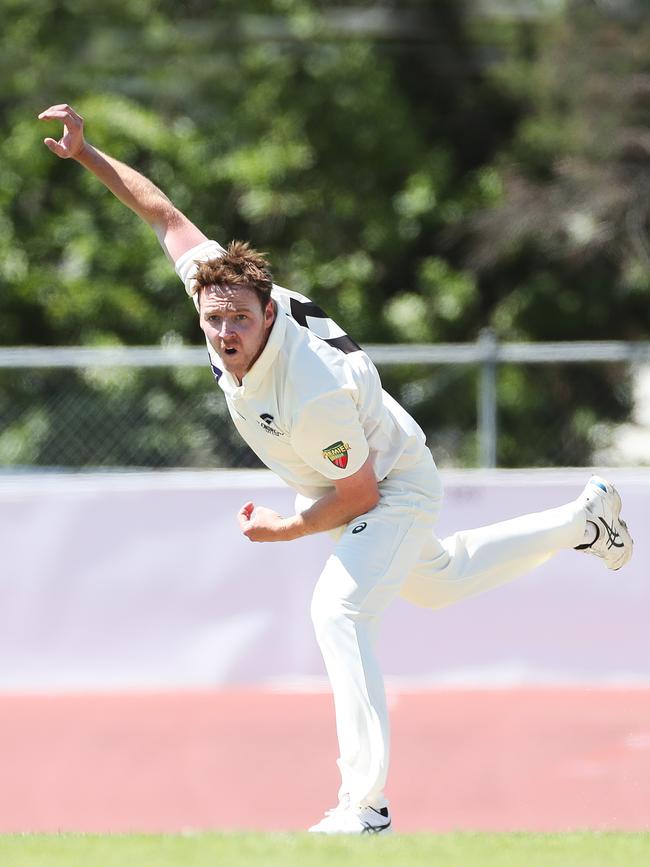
337	453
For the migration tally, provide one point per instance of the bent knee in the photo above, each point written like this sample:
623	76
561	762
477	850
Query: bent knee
330	615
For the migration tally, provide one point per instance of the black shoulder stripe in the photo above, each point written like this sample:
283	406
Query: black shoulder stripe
344	343
300	310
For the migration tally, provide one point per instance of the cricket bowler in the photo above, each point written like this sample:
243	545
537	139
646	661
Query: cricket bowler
310	404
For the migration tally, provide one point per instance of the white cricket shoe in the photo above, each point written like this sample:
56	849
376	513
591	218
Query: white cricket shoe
613	542
350	820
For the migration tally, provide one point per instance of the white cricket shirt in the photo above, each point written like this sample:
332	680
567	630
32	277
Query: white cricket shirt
311	406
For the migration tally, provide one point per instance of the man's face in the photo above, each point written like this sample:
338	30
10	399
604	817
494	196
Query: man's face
236	326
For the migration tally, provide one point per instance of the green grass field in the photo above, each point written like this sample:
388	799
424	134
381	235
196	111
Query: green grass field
301	850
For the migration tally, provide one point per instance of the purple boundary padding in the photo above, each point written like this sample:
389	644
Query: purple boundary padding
142	581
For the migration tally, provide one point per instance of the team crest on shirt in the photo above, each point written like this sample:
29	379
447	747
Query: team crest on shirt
337	454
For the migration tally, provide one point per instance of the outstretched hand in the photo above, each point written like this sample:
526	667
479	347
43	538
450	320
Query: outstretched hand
72	141
260	524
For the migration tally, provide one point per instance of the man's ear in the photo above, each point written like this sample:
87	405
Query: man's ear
269	312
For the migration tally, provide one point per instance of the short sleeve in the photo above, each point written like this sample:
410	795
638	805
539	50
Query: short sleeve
186	265
327	434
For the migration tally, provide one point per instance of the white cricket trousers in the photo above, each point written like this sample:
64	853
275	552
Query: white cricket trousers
393	551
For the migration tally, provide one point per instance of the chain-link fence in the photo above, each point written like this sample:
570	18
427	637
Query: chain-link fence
483	404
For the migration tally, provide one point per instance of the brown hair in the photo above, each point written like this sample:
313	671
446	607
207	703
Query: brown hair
240	267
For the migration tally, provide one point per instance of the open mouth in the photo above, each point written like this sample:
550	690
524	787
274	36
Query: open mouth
230	351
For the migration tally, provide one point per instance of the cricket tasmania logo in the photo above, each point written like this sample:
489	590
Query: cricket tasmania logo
337	453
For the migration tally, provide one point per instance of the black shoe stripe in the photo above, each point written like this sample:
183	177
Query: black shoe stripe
369	828
374	829
613	536
593	542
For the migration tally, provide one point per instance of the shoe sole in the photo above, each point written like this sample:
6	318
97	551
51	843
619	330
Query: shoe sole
373	832
367	832
624	533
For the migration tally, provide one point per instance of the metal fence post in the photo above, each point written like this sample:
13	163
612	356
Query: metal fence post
487	399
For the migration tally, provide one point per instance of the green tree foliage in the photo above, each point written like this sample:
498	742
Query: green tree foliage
422	176
565	254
